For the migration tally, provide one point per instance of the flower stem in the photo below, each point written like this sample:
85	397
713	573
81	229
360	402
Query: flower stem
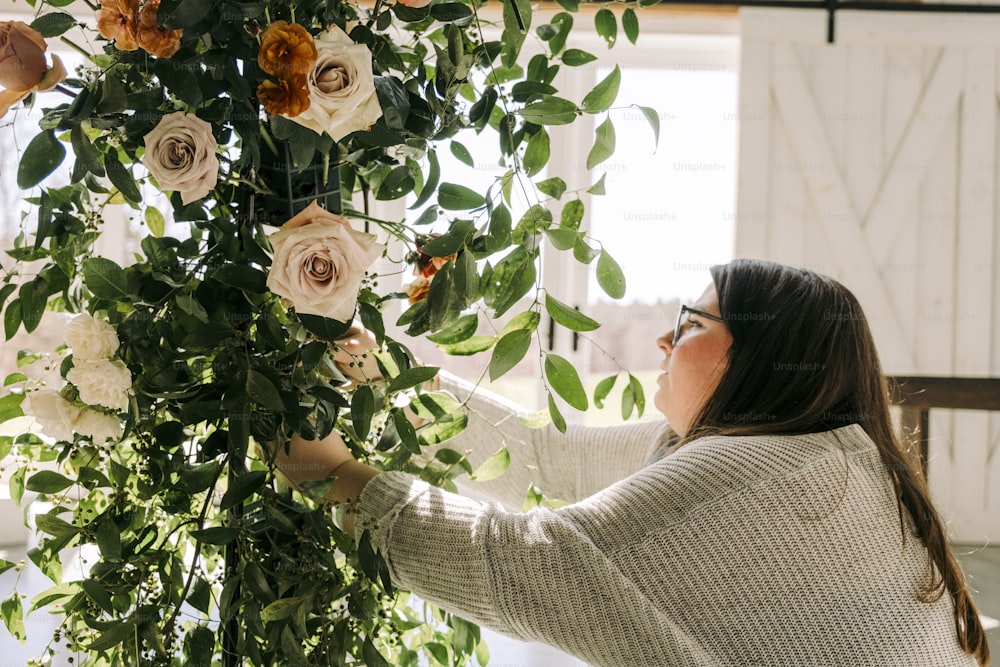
65	91
76	47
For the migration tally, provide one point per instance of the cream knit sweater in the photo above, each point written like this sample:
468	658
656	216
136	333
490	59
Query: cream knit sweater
780	550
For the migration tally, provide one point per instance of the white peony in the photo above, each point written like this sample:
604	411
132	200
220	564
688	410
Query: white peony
98	426
342	95
319	262
101	382
180	154
91	338
54	415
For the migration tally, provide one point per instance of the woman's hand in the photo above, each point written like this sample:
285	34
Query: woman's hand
313	460
352	353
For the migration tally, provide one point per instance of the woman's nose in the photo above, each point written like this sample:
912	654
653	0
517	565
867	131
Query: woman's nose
665	342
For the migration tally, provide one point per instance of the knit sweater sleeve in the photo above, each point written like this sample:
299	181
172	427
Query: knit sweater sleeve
566	466
522	575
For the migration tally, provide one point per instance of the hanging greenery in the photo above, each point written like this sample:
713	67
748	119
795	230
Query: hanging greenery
269	124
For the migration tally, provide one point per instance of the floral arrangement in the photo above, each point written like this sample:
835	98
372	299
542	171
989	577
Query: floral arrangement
270	127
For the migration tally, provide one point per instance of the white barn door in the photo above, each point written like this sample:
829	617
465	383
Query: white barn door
874	160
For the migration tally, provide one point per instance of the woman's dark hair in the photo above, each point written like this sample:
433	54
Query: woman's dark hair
803	360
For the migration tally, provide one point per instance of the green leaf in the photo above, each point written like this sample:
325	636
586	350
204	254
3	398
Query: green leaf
121	177
577	57
443	428
5	565
324	327
55	526
454	197
243	277
282	608
439	652
13	616
516	22
99	594
603	388
155	221
553	187
113	97
570	318
529	319
12	318
85	151
654	122
492	467
407	434
113	636
109	540
198	478
48	481
469	346
433	178
16	485
610	276
362	410
462	329
242	488
606	25
53	24
217	535
564	379
536	155
371	655
509	350
598	187
105	279
397	183
563	22
557	419
550	110
604	94
630	24
511	279
42	156
638	396
263	391
462	153
572	214
411	377
10	405
604	144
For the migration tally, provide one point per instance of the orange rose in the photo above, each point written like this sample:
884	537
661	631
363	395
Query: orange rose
116	22
287	50
287	97
416	4
157	41
23	69
418	290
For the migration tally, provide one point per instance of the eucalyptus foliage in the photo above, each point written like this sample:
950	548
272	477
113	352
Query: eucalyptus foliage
202	555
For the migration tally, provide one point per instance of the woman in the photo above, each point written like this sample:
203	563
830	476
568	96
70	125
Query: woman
777	520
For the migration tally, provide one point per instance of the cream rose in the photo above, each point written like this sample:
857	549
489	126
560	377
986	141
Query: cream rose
180	154
91	338
98	427
342	95
101	381
54	414
319	261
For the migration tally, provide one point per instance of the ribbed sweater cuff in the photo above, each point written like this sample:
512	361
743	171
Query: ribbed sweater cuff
431	543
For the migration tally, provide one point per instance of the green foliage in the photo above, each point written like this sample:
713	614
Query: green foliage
202	544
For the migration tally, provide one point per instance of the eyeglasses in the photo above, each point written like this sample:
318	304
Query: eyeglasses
695	311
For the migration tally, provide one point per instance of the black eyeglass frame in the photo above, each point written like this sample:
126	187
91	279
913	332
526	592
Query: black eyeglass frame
680	319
